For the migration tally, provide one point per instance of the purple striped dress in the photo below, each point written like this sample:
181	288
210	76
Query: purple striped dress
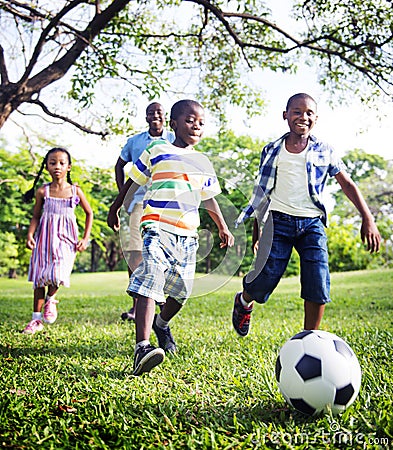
56	237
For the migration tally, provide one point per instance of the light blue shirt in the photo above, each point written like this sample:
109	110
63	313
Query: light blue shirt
131	152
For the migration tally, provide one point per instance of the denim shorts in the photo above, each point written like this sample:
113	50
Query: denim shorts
308	237
167	268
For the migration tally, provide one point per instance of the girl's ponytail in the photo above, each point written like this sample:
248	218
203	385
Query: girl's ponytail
28	196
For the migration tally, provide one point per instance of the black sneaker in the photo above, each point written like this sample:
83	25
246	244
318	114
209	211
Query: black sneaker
130	315
241	316
146	358
165	338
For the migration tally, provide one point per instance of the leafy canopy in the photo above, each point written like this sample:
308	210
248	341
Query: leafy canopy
110	52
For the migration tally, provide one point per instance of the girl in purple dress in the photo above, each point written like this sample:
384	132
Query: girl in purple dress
53	235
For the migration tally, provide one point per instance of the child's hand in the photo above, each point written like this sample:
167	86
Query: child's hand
113	219
370	236
30	243
82	245
227	239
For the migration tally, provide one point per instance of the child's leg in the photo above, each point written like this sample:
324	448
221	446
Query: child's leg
313	313
36	322
145	309
52	290
134	253
39	299
50	309
170	309
247	298
274	252
134	260
161	324
314	271
146	356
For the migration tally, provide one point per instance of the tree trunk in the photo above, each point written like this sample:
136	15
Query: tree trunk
12	274
12	95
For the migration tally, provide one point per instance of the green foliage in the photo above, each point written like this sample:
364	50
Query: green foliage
374	177
8	253
362	165
71	386
14	214
210	50
365	26
166	50
346	251
236	161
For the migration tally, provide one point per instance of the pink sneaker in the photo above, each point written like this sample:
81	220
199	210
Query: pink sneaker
50	311
33	326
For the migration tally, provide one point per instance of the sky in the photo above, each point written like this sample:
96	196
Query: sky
345	127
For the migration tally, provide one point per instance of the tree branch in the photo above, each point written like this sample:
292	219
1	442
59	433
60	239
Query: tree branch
372	74
53	23
3	68
60	67
46	110
220	15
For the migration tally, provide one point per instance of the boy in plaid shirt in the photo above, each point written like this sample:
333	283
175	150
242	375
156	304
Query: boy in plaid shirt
287	197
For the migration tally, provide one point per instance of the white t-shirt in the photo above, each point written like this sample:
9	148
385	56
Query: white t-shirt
290	194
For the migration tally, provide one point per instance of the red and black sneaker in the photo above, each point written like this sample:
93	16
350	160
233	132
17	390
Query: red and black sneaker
241	316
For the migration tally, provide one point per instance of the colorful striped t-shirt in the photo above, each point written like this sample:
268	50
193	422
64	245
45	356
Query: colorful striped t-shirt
180	179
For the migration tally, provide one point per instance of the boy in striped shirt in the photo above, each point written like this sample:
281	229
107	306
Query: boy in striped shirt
179	178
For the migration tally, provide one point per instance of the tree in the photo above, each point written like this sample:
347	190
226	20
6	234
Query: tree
368	171
14	214
144	47
236	161
374	176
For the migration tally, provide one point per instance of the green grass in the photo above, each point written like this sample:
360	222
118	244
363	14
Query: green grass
71	386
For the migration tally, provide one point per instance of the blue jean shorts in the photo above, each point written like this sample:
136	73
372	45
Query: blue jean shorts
308	237
167	268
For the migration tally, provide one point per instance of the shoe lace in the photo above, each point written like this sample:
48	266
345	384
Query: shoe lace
244	319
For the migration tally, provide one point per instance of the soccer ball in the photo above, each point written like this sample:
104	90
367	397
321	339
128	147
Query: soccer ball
318	372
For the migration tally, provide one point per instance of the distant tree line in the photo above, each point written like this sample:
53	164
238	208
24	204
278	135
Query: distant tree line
236	161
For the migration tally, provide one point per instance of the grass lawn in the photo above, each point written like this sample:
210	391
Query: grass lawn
71	386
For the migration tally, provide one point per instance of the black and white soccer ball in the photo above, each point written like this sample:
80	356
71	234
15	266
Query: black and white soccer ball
318	372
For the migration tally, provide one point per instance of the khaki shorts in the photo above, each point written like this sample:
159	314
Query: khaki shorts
134	241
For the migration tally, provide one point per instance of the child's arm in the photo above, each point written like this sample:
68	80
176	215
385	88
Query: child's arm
82	243
256	234
369	231
126	193
227	239
39	203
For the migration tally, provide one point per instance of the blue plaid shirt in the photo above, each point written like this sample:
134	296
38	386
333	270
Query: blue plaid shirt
321	161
